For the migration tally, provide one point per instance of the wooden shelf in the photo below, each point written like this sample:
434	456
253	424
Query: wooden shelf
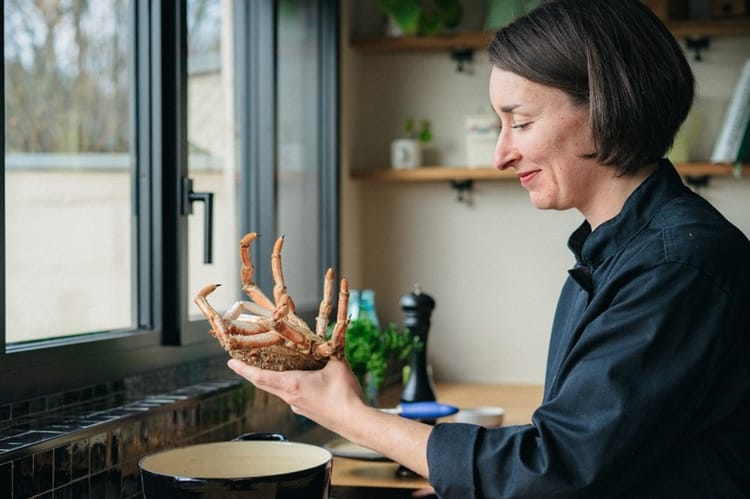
469	40
434	173
443	173
712	170
738	26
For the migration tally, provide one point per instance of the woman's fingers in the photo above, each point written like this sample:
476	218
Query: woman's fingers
273	382
319	395
244	370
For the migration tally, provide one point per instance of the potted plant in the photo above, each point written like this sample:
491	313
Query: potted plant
370	351
426	18
406	151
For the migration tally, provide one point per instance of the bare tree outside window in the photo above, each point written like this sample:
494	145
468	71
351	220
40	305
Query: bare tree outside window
68	187
66	76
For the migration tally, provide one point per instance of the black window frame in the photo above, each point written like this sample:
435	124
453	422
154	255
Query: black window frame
165	336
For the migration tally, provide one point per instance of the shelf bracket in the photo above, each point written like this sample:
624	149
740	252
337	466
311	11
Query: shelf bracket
697	181
697	44
463	58
461	187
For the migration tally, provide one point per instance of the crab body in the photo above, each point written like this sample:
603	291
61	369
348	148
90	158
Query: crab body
269	334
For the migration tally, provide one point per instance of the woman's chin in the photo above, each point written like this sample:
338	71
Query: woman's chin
541	202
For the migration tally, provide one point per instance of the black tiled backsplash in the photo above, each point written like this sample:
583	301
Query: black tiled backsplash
87	443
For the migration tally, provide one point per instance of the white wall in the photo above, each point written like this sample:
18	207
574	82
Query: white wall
494	267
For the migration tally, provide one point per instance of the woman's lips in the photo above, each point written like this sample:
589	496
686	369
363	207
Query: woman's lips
526	177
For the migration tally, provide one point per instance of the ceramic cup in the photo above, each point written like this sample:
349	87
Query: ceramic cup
487	416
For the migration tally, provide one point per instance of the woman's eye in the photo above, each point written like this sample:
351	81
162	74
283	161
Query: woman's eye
520	126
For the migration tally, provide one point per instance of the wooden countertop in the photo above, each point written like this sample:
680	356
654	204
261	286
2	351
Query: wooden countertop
519	402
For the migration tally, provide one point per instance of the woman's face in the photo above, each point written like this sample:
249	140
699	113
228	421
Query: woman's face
544	137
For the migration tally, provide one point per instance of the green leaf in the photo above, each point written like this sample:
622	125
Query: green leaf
368	349
404	12
430	23
451	11
423	17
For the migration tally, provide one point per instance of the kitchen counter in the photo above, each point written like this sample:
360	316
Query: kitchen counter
519	402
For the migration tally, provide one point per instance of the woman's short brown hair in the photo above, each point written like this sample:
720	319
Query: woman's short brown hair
616	57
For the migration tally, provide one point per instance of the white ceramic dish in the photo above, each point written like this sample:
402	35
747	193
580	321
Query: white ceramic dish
487	416
344	448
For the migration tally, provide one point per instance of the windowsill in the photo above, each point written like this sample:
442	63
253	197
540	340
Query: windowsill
36	434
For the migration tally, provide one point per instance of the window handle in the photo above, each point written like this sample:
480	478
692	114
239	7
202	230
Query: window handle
207	198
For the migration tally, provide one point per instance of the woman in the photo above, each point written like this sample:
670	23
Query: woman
647	390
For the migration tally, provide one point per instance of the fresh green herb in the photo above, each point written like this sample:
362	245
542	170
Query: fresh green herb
423	134
369	350
421	17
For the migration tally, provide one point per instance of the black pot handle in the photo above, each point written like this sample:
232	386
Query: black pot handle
278	437
190	484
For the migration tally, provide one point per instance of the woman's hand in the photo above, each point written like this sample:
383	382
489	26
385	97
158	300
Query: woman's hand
321	395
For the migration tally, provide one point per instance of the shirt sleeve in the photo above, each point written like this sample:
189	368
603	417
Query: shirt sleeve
640	373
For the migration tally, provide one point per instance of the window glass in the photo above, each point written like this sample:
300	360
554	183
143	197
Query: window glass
68	169
212	164
95	233
298	149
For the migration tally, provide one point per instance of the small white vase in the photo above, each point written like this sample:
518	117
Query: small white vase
406	153
392	28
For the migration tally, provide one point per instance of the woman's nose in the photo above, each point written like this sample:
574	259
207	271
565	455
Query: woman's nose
505	154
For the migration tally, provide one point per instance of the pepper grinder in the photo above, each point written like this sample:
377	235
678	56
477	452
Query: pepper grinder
417	308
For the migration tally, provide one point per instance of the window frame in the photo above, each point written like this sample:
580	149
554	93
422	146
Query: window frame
165	335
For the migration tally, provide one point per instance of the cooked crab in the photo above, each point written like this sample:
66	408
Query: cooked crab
269	334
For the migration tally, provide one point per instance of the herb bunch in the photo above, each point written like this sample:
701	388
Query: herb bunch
369	349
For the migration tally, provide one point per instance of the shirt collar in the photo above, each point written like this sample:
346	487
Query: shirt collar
591	248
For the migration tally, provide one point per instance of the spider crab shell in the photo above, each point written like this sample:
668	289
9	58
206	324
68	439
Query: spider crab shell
278	358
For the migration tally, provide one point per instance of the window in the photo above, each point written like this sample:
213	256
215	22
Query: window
68	170
305	115
124	122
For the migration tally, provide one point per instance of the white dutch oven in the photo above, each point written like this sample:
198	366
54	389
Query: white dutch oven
249	467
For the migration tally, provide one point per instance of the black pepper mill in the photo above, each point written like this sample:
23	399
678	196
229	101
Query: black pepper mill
417	308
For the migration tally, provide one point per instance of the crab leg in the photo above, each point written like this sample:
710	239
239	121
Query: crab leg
255	341
289	329
248	269
253	291
246	306
265	331
338	336
262	332
279	287
324	312
218	329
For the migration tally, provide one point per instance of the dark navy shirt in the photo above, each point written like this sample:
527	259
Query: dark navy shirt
647	389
